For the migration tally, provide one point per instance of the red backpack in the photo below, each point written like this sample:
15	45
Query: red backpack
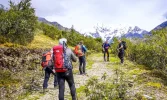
46	60
61	61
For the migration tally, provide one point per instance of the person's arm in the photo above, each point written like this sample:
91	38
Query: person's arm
121	46
85	49
73	57
51	51
52	60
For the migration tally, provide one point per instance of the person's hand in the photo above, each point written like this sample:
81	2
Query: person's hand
53	70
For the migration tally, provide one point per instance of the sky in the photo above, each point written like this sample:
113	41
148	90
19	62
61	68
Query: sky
84	15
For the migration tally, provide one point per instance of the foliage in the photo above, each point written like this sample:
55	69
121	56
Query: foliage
42	41
50	30
150	51
116	90
74	38
18	22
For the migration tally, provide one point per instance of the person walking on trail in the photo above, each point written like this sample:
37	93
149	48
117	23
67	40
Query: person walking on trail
106	47
63	57
48	67
48	71
80	51
121	51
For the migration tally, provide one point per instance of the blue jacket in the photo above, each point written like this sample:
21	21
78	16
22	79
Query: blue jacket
106	46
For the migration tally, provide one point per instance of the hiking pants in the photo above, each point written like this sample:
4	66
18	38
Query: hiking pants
48	71
82	64
106	52
68	76
121	56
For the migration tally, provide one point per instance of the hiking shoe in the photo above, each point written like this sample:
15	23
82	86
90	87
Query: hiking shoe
45	90
56	86
84	73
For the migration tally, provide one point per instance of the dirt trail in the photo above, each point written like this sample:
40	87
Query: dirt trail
98	69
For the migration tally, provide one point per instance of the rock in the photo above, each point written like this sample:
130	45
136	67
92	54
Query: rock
148	97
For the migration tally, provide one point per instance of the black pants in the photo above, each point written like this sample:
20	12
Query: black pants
106	52
82	64
121	56
68	76
48	71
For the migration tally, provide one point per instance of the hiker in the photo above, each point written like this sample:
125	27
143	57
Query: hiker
80	51
47	65
63	57
121	51
105	48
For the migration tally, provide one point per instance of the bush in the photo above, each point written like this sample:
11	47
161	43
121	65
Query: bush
18	23
150	51
50	30
74	38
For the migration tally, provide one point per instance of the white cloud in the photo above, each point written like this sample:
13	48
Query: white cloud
85	14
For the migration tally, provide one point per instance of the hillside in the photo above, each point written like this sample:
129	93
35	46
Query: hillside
138	80
42	41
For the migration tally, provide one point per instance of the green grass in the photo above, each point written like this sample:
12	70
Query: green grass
42	41
80	89
154	84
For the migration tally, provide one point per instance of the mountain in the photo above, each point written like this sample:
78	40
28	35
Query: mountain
162	25
40	19
119	31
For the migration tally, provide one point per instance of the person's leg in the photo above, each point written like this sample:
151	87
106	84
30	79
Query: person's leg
107	55
104	55
122	57
46	79
61	82
119	55
84	64
80	65
55	80
70	81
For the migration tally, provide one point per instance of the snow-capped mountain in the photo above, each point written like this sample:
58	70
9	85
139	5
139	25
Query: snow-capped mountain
119	31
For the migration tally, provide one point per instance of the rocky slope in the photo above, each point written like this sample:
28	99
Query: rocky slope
20	71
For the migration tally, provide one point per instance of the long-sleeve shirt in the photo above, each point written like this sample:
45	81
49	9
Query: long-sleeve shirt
106	46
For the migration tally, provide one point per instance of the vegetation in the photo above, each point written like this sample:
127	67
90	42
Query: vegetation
150	51
18	23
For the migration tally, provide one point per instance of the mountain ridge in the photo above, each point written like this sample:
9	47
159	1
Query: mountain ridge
56	24
160	26
120	31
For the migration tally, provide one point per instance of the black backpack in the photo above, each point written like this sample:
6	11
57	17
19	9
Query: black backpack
124	45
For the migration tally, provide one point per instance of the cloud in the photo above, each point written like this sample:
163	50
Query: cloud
165	15
85	14
49	7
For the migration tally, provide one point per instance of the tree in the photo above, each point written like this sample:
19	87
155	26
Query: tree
19	22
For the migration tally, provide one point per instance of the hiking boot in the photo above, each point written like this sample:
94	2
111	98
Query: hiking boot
45	90
107	59
55	86
84	73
